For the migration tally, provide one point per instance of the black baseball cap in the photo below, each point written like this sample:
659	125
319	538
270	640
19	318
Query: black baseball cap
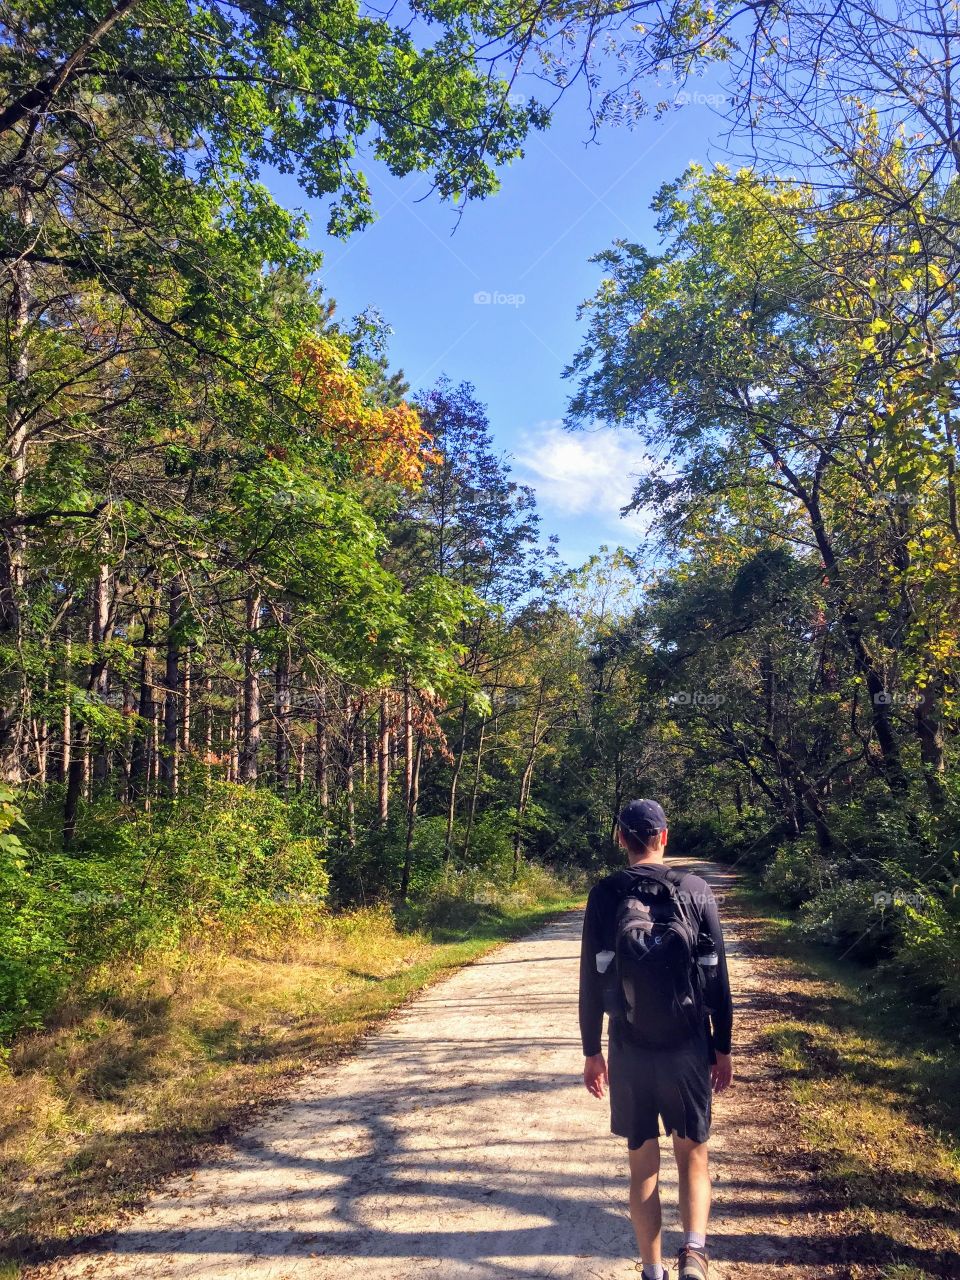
642	819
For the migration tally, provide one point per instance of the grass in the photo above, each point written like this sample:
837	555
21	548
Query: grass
139	1072
878	1088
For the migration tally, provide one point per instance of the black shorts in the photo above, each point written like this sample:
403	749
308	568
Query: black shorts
647	1085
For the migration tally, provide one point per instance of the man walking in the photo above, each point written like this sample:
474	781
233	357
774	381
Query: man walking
652	957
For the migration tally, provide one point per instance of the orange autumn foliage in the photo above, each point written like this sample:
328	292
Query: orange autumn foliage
389	444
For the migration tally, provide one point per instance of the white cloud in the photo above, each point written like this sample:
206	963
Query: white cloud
589	473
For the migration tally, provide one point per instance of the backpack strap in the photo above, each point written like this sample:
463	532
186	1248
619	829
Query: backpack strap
673	879
669	873
676	881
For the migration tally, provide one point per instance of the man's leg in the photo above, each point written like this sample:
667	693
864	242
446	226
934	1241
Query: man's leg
694	1191
645	1199
693	1176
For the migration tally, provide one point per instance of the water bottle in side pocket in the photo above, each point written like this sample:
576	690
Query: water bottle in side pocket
708	960
612	999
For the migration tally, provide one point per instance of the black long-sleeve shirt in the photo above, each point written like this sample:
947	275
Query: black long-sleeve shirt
598	935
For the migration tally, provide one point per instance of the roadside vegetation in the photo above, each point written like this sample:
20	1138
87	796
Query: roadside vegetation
877	1094
157	1047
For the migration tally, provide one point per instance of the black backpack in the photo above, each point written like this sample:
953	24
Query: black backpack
660	989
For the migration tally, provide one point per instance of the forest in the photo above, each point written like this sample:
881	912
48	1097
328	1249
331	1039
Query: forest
282	638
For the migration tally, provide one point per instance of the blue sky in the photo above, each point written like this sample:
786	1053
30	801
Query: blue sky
529	247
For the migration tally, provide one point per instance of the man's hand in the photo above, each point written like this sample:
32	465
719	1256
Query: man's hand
721	1072
595	1075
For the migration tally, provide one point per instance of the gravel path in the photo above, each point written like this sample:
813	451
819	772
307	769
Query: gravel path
459	1141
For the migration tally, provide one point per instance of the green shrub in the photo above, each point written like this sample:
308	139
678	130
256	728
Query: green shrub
928	949
853	916
797	873
491	846
33	935
232	851
226	862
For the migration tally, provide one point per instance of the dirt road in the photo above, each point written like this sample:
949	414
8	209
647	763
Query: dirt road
460	1142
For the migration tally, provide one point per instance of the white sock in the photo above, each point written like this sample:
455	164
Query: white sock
652	1271
692	1240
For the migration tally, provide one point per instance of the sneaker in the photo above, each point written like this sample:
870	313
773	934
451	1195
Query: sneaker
692	1264
639	1270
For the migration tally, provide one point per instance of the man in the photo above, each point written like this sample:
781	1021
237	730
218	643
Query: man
646	1083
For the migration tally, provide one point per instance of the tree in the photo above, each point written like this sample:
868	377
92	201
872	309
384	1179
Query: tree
756	340
469	523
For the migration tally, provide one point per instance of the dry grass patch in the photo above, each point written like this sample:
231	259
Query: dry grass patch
152	1061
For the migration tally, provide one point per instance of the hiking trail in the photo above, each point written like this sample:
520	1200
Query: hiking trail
459	1141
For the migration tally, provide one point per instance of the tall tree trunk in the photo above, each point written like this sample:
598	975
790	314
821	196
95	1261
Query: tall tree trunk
383	760
170	752
86	772
282	743
929	728
207	730
951	456
525	783
13	541
407	742
140	751
41	730
66	724
349	728
76	778
101	635
78	774
126	755
322	744
820	825
411	819
155	740
618	796
233	740
187	717
250	746
474	790
452	795
394	744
